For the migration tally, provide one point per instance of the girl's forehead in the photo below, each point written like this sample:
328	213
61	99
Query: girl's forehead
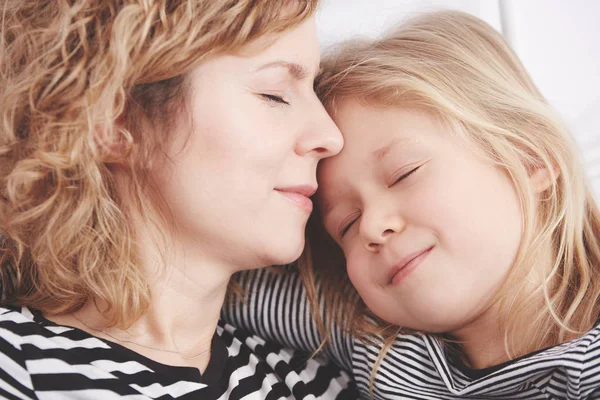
373	133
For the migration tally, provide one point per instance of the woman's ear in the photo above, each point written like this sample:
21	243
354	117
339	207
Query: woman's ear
111	144
543	178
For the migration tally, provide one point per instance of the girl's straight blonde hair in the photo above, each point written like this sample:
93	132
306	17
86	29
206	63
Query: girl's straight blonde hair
458	68
90	89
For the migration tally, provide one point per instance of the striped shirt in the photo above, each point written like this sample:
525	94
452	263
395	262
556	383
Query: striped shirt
42	360
417	366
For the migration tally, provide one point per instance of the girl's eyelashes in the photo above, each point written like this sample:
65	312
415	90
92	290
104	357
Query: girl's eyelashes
347	224
404	176
274	98
351	219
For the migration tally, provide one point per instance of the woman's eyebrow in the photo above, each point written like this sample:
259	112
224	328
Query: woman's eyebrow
296	70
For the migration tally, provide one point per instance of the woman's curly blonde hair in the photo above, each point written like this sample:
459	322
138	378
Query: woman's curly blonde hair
89	88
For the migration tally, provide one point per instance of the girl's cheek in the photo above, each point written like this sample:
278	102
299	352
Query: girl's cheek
354	277
355	269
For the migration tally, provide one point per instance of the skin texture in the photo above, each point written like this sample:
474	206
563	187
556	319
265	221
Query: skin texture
257	128
252	131
407	186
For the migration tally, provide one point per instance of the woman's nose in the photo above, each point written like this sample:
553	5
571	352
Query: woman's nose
322	136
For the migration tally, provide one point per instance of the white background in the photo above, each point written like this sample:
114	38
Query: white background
557	40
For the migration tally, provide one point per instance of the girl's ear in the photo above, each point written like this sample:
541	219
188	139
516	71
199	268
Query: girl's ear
542	178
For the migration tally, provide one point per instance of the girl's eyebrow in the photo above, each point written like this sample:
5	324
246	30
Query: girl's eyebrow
327	208
380	153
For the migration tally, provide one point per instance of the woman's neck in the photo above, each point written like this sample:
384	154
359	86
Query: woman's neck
188	290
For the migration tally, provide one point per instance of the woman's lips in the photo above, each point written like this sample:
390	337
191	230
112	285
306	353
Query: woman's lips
300	196
406	265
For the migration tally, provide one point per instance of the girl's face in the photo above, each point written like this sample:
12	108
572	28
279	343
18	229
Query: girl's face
429	228
237	186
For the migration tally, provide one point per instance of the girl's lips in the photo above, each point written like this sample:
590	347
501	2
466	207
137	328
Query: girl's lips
406	265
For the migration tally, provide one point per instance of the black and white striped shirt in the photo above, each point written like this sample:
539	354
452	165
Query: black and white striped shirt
42	360
417	366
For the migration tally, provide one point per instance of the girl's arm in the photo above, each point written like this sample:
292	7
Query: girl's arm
275	307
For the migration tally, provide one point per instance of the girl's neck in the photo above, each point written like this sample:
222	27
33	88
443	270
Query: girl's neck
483	341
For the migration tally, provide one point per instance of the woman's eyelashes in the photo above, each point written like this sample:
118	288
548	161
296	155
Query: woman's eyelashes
272	98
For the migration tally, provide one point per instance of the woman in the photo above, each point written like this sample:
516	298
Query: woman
149	150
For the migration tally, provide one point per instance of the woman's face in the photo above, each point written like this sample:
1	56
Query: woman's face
238	185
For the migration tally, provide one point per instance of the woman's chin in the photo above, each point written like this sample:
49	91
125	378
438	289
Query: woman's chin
286	253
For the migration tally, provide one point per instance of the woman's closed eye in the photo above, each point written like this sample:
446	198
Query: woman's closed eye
272	98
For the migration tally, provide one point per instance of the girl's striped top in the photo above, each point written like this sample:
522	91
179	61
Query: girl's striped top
417	366
42	360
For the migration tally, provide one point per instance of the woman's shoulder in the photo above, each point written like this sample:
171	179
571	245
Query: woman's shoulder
33	336
25	321
33	348
15	314
17	323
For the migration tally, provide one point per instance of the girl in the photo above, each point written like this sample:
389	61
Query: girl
149	150
462	236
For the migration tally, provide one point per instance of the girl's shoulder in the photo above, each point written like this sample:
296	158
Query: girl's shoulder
588	345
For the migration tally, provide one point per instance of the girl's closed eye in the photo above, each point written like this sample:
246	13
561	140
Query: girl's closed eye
272	98
403	176
347	224
349	221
